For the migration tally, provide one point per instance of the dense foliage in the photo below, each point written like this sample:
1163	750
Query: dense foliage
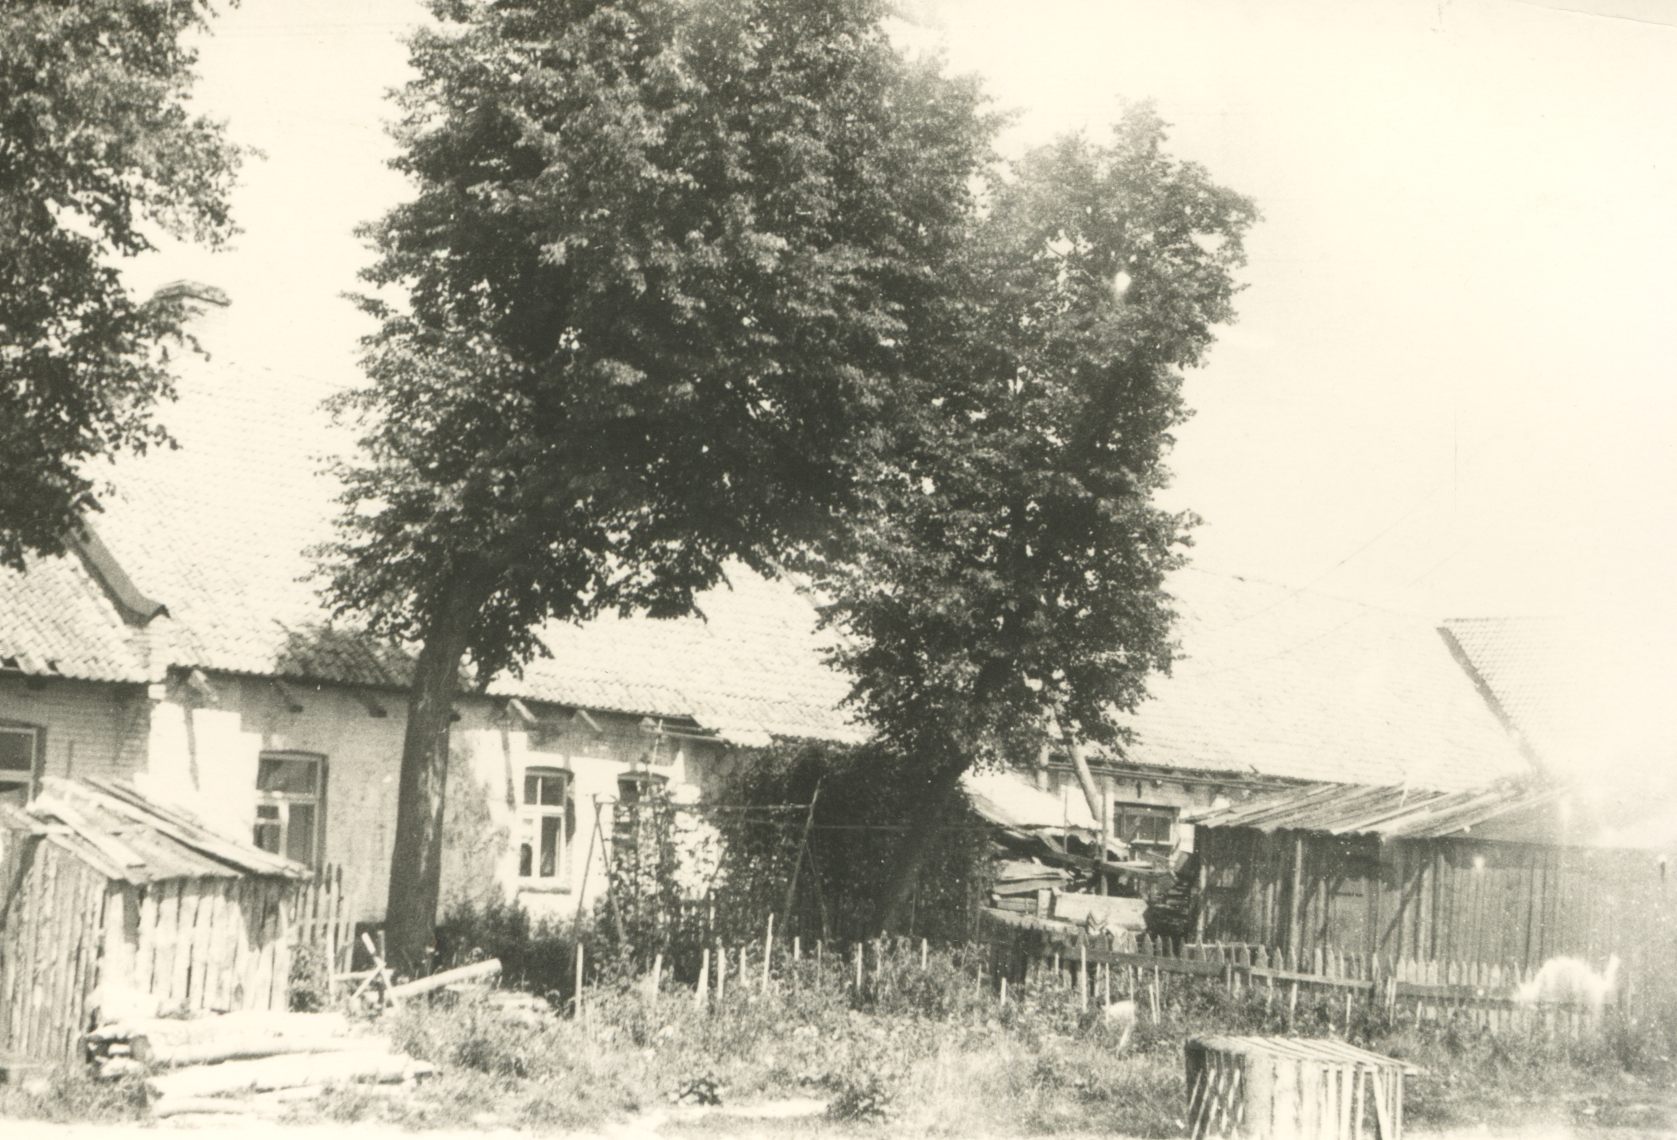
642	314
648	312
1003	586
99	155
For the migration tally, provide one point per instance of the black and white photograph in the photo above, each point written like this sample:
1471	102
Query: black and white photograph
836	569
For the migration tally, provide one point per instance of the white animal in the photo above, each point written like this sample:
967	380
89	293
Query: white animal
1121	1015
1572	981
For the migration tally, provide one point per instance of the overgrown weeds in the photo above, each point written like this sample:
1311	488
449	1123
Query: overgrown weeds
72	1096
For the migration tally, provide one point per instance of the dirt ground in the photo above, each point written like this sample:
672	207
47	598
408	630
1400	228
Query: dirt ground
789	1119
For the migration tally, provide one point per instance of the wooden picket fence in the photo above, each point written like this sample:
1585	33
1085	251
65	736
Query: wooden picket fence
325	918
1483	994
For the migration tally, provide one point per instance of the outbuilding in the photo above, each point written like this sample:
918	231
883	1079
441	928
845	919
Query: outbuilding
104	892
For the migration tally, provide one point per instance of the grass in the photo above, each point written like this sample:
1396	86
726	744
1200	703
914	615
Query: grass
72	1096
925	1052
929	1053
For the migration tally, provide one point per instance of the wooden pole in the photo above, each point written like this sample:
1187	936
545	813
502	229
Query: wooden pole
721	971
579	1003
700	994
768	951
803	846
922	953
859	952
1083	977
657	974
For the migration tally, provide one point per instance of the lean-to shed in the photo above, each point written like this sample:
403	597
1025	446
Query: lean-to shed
1498	875
103	890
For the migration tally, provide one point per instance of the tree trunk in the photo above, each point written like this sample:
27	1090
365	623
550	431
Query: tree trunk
416	858
1085	778
918	845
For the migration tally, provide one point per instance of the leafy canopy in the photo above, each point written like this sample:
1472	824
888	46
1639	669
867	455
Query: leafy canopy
98	154
649	306
1006	581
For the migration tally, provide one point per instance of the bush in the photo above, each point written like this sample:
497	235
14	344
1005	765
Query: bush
309	985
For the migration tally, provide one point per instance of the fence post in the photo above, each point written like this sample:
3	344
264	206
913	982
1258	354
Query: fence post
699	994
579	999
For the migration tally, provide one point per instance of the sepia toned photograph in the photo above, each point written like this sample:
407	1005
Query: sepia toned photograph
833	569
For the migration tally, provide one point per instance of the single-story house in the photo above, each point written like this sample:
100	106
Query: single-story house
182	646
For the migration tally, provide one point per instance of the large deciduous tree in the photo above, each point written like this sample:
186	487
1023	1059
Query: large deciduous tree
649	311
99	154
1005	591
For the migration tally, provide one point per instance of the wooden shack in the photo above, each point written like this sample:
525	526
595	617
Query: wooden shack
1492	876
103	891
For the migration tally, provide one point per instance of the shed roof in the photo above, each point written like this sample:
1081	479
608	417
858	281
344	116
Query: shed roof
1505	811
127	837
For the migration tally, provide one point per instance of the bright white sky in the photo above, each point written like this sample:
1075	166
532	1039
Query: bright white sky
1449	391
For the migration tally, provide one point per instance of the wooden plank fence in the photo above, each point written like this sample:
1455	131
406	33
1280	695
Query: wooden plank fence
1483	994
326	918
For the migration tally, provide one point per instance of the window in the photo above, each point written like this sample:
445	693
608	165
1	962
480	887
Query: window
289	788
633	787
546	821
1145	824
20	745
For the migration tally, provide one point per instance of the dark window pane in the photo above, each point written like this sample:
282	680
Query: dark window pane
288	774
17	750
524	860
532	788
267	811
550	846
267	837
299	836
553	790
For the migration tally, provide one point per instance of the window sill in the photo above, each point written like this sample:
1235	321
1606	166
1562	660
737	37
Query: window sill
541	888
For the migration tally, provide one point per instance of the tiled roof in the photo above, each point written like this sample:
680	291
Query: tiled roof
56	621
1589	699
218	529
1290	683
1281	682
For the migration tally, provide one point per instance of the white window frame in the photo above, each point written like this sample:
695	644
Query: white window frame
530	819
12	779
283	802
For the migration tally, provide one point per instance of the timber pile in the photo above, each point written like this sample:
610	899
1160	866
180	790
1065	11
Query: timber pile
246	1063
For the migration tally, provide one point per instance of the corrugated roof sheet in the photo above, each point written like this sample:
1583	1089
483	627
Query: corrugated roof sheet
128	837
1505	811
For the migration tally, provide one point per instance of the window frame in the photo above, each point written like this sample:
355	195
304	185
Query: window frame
530	816
29	781
1120	809
284	801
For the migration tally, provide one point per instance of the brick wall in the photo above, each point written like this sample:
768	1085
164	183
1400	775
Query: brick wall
91	729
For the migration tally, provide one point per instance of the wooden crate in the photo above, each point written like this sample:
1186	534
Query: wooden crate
1291	1087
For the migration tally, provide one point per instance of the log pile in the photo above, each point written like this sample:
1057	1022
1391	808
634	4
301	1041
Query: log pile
246	1063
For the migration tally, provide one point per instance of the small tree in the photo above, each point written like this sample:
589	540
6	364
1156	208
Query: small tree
98	155
647	312
1006	591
